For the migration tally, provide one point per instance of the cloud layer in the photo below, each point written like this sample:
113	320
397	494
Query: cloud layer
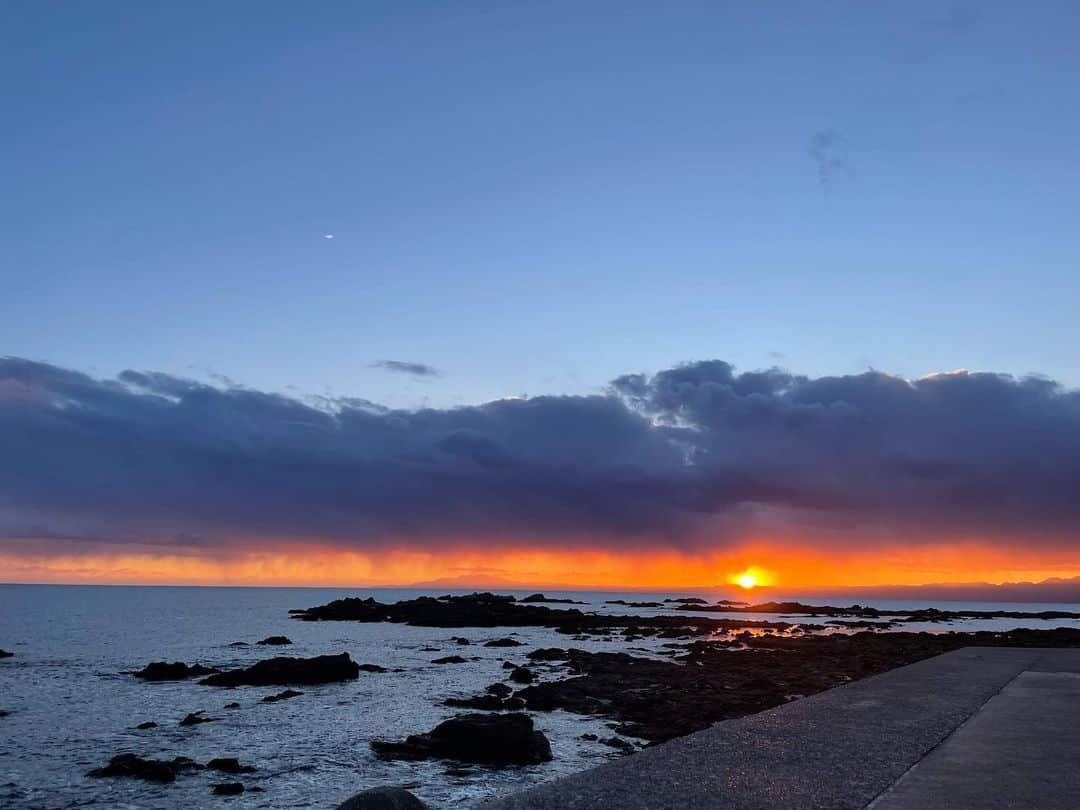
697	456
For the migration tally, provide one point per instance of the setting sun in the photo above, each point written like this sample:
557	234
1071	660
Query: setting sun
746	580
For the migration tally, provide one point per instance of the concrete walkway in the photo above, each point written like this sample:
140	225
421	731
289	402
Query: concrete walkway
976	728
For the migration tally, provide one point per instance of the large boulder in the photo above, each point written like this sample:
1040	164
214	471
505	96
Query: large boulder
176	671
383	798
6	654
286	671
485	739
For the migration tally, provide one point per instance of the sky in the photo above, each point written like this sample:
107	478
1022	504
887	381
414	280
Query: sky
448	257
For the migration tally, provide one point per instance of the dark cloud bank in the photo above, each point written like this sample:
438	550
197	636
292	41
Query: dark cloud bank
693	457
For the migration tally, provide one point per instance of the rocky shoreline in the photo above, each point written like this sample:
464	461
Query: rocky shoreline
701	669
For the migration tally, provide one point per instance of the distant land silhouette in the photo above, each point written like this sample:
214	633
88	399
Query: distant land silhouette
1048	590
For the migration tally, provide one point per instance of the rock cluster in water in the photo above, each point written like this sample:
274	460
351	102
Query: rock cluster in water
275	641
485	739
286	671
176	671
164	770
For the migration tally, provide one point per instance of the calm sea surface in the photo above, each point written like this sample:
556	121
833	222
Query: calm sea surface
71	709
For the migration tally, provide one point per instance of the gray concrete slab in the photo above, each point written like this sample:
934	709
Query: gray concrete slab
840	749
1020	750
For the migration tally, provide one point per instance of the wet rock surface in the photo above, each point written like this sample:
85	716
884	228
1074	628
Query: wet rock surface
275	641
228	765
150	770
449	659
485	739
288	693
522	675
709	681
176	671
383	798
228	789
287	671
504	642
6	654
195	718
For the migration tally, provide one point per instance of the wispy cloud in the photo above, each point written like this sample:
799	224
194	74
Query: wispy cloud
829	153
404	367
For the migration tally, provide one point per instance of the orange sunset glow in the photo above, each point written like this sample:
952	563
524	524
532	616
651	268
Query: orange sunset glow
758	567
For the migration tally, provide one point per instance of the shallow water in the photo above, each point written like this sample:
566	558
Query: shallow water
72	709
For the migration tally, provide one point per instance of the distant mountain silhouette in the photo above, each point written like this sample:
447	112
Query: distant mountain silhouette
1048	590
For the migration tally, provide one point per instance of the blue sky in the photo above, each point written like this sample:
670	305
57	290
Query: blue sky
538	197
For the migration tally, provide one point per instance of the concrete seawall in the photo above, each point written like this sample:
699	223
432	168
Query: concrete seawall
980	727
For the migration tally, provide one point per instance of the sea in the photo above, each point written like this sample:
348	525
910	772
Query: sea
71	707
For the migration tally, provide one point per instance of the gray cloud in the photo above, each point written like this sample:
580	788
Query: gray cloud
693	456
403	367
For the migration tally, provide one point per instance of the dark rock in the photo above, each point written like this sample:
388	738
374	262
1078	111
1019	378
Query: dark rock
619	743
514	704
288	693
490	610
486	703
383	798
450	659
548	654
239	644
229	765
624	603
522	675
195	718
504	642
176	671
150	770
228	789
285	671
688	600
146	725
589	737
460	640
475	610
275	641
6	654
372	668
233	705
539	597
509	665
500	690
710	682
485	739
4	713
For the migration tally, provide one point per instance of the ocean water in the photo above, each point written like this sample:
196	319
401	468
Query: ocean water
71	708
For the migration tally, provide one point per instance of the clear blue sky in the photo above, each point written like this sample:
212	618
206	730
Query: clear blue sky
537	197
